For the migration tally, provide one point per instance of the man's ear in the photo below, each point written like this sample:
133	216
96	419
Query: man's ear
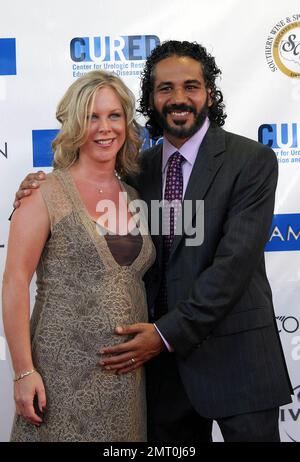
209	98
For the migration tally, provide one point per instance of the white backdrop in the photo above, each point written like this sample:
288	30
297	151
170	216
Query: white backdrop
257	45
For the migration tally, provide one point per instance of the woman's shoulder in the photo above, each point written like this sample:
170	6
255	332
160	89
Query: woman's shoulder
55	195
51	179
51	186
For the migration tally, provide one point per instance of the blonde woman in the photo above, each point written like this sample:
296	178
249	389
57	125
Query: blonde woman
89	276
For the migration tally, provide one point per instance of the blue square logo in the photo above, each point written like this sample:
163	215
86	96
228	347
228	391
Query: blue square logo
8	64
41	147
285	233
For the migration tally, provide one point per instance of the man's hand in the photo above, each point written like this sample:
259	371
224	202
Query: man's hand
31	182
130	355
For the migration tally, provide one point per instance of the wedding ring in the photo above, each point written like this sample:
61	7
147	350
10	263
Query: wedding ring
132	360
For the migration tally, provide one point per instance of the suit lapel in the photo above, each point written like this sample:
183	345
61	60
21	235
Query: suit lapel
152	191
207	164
154	176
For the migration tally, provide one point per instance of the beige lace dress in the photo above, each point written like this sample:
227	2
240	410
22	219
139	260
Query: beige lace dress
82	295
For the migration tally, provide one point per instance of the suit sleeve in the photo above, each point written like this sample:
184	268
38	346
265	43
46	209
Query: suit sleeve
239	251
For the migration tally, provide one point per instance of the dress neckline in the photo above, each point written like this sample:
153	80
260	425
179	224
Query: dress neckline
90	225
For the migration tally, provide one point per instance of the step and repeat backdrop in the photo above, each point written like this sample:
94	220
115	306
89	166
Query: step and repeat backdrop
44	46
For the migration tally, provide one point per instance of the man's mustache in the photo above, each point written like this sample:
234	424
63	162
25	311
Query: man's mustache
178	107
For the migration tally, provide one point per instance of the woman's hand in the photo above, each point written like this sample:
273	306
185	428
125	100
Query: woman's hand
24	394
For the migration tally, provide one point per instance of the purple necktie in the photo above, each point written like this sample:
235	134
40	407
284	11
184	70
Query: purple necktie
173	193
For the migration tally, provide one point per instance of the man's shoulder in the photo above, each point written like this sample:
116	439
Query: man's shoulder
244	148
244	141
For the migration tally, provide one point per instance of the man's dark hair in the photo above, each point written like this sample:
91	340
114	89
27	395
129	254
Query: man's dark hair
210	73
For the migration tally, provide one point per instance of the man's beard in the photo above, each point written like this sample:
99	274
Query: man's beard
180	131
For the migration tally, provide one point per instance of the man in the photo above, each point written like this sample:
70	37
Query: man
213	352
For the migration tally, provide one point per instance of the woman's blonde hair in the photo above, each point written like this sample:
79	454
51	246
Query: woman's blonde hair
72	113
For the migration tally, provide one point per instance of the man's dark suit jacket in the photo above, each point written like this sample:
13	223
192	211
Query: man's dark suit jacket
221	320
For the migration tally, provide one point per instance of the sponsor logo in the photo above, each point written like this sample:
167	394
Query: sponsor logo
290	417
288	324
4	150
282	47
124	55
285	233
8	64
279	136
41	147
283	138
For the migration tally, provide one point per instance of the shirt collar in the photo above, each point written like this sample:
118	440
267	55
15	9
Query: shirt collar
189	149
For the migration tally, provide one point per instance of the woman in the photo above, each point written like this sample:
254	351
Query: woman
89	276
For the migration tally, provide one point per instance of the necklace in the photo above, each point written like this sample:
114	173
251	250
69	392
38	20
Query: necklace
98	187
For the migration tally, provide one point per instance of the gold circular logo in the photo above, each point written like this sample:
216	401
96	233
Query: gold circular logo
286	50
